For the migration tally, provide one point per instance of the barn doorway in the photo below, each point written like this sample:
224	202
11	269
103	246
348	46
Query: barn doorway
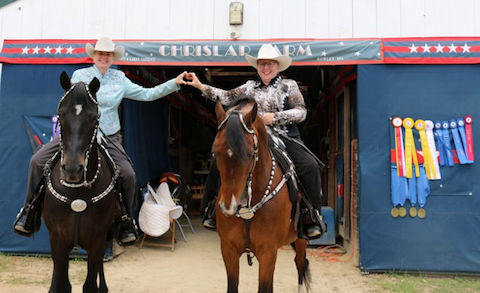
329	130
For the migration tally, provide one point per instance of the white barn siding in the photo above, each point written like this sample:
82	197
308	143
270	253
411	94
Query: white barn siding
208	19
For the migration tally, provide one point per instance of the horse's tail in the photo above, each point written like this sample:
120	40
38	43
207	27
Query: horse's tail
303	265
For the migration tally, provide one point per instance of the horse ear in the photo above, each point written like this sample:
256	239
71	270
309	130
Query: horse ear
94	85
220	112
65	81
252	115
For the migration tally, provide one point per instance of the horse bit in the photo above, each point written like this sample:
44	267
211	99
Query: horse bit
79	205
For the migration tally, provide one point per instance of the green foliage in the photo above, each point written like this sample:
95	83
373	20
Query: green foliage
408	283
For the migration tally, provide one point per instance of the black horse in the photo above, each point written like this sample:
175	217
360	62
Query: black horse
79	204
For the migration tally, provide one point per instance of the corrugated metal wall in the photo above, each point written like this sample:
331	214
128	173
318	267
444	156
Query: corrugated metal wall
208	19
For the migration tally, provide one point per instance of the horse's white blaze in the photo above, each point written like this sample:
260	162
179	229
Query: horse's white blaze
78	109
233	206
229	153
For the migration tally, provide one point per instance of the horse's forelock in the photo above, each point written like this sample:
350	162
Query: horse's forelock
234	135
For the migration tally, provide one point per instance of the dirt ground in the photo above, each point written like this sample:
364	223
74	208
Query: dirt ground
195	266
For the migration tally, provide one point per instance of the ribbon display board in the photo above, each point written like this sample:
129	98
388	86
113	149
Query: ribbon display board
411	170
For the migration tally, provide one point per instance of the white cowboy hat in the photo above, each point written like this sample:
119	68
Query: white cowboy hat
105	44
268	51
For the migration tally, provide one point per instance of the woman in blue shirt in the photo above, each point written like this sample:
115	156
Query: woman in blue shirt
114	86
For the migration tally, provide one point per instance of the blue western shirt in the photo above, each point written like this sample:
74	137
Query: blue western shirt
114	86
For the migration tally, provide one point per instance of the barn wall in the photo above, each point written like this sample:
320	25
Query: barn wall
208	19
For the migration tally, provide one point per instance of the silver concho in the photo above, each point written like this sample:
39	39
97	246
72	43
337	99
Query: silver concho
78	205
245	213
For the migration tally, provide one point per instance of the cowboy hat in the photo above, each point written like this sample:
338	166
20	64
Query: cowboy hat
105	44
268	51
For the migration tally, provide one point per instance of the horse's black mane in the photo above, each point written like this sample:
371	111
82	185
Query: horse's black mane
234	130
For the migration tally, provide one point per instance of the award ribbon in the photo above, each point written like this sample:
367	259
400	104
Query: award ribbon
55	126
446	143
423	190
461	130
412	195
441	146
433	149
457	142
410	151
469	137
399	187
427	157
399	151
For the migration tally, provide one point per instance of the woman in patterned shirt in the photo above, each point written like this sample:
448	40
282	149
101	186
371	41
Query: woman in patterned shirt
114	87
281	107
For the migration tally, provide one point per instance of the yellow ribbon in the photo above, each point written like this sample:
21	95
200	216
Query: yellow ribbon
427	156
410	151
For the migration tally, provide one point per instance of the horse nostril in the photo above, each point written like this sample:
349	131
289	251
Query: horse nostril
80	168
63	167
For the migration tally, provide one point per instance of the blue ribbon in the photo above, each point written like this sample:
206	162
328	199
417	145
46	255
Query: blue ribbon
412	190
446	142
439	141
423	187
458	144
399	188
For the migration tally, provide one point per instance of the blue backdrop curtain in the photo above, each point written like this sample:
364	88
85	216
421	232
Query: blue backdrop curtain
29	95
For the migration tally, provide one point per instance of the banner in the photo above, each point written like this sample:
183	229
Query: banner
441	50
195	52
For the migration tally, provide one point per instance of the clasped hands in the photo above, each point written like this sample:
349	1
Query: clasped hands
191	79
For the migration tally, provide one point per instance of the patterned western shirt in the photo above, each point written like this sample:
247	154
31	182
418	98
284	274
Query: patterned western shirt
114	86
281	96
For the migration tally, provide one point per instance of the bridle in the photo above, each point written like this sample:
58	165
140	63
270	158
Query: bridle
79	205
248	211
89	149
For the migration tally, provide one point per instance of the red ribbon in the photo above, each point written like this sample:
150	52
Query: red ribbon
469	137
400	156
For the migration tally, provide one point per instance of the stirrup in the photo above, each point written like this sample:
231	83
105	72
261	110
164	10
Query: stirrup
127	231
19	227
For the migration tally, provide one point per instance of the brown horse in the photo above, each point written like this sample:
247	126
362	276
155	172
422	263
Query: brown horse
253	208
79	204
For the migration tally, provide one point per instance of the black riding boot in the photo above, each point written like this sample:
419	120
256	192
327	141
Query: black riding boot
317	228
29	218
127	228
127	231
24	223
209	217
209	197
